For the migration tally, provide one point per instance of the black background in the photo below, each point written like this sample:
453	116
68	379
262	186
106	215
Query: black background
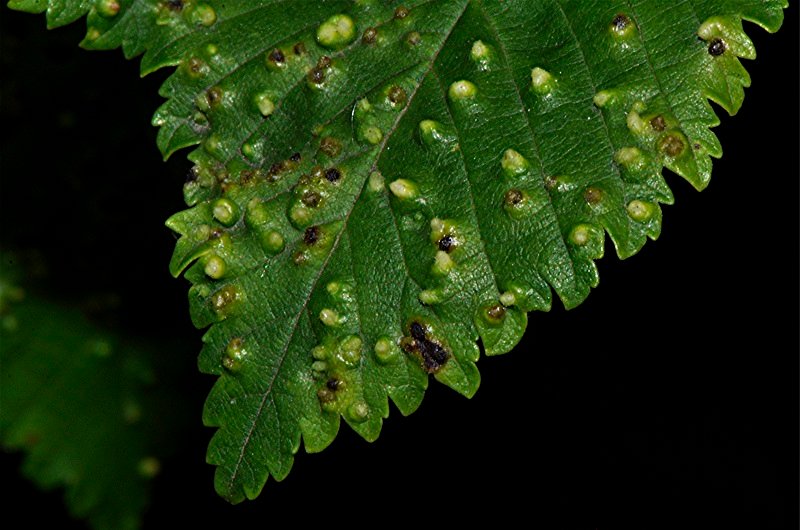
668	399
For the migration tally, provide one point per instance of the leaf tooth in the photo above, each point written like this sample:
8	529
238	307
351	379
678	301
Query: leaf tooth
528	186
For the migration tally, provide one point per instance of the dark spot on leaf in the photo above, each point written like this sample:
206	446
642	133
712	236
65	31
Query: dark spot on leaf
311	198
311	235
316	75
496	312
277	57
333	384
514	197
620	22
370	36
431	353
174	5
447	243
236	343
550	182
717	47
300	257
401	12
671	145
397	96
224	299
230	364
330	146
333	174
246	177
275	170
295	157
214	96
195	66
299	48
417	330
658	123
592	195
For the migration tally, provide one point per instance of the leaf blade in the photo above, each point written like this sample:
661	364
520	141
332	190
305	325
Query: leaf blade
569	232
438	169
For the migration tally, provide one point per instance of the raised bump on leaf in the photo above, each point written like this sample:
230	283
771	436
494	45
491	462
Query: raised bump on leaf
474	123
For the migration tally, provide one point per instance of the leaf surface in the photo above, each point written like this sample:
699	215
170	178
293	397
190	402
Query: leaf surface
382	188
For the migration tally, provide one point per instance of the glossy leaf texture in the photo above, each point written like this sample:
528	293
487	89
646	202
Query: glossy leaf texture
385	189
80	403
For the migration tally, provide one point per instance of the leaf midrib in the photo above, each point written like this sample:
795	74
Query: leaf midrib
294	326
301	79
598	112
532	135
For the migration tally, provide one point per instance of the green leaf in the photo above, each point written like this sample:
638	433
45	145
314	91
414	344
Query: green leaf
381	188
78	402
